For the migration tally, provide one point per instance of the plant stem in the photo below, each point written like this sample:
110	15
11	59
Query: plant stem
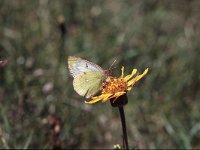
123	121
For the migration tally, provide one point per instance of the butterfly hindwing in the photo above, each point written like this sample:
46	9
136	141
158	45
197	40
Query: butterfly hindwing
88	84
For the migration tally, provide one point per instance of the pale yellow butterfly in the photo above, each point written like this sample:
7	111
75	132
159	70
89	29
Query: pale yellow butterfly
88	77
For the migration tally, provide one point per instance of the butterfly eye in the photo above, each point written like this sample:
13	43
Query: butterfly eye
108	72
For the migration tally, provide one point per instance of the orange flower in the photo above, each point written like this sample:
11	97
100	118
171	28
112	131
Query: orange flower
116	87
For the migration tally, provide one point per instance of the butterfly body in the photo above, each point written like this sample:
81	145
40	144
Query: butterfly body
88	77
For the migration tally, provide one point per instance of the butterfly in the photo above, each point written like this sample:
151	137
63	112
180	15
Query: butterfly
88	77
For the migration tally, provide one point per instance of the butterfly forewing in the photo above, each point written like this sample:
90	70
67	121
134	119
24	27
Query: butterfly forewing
78	65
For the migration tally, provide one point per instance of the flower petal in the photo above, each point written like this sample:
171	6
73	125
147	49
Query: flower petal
130	75
137	78
116	95
119	94
132	82
122	69
93	101
142	75
98	98
106	97
129	88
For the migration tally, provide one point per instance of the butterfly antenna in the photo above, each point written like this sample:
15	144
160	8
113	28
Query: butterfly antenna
109	71
111	67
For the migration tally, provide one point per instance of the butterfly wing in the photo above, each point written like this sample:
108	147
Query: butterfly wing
88	77
78	65
88	84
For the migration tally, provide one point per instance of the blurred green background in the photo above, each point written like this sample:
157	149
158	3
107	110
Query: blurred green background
40	109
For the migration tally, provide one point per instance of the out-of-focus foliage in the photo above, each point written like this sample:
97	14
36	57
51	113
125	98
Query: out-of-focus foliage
38	106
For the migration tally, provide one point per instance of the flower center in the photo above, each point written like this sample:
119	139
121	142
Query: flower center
114	85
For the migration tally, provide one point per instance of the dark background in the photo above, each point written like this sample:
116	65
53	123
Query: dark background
40	109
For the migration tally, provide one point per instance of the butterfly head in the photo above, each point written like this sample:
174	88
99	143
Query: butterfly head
108	72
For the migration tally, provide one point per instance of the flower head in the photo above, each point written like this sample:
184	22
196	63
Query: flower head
115	87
